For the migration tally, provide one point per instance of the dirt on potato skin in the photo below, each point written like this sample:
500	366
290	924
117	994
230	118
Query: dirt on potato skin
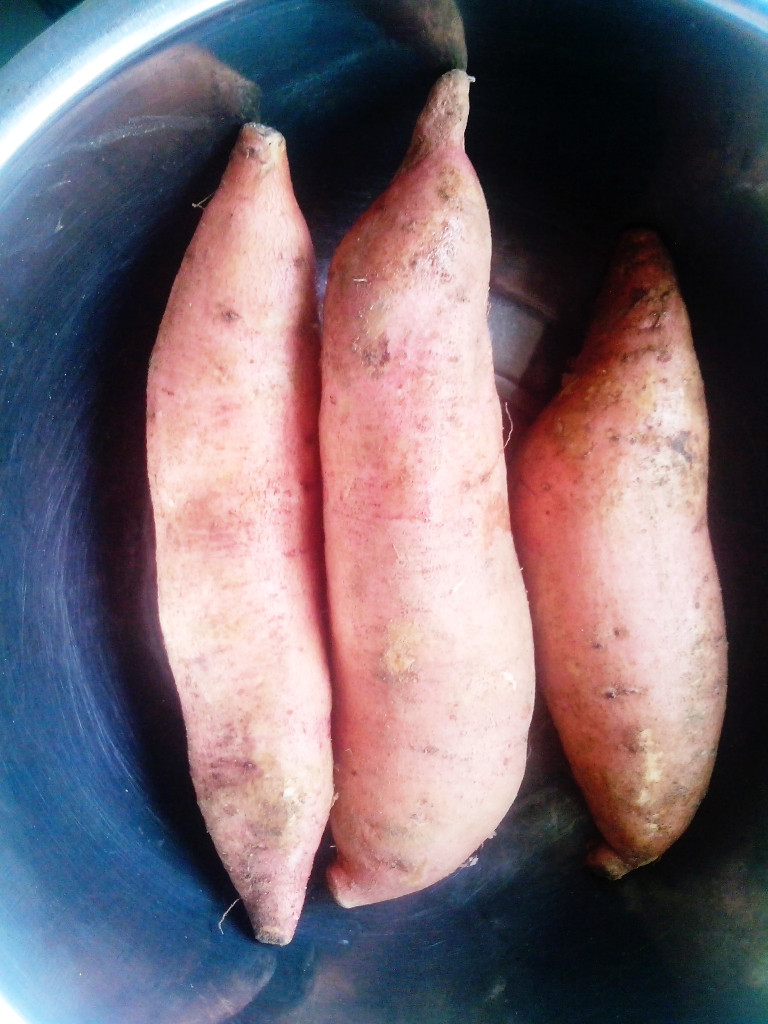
234	472
432	645
609	501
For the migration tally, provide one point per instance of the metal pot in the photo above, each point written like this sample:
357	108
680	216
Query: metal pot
115	127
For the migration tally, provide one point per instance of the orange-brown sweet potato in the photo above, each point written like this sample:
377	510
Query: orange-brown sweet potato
431	633
233	459
609	503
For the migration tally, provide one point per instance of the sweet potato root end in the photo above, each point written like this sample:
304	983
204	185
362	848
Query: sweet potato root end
607	863
342	890
273	936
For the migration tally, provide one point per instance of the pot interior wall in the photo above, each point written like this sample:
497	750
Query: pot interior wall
586	118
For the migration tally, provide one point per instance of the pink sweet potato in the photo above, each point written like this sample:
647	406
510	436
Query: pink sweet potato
431	635
233	459
609	503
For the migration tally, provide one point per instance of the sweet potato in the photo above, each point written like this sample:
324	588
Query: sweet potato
609	504
431	635
233	459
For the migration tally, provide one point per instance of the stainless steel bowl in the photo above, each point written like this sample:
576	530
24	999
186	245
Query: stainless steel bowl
115	127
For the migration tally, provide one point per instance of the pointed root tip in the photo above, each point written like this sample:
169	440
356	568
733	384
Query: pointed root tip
639	234
275	929
274	933
606	863
260	142
343	889
452	88
350	892
364	889
443	119
639	246
273	937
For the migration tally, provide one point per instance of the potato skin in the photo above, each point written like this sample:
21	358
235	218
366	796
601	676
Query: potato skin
233	460
431	634
609	504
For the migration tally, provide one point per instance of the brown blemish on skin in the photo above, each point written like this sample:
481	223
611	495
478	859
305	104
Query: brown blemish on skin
223	773
649	306
261	796
224	311
620	691
602	637
496	517
424	748
374	353
679	444
450	186
634	355
378	835
398	662
205	519
270	825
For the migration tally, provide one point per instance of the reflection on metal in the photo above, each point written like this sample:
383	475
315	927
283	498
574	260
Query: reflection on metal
7	1015
434	28
76	52
183	88
754	13
112	895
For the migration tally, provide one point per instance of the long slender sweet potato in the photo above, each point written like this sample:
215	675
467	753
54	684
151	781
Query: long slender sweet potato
233	458
430	625
609	503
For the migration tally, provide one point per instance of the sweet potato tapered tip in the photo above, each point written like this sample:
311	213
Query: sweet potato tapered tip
262	143
344	890
273	936
607	863
443	120
639	292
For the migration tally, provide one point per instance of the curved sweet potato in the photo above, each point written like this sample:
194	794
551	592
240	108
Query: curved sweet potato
430	626
609	503
233	459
